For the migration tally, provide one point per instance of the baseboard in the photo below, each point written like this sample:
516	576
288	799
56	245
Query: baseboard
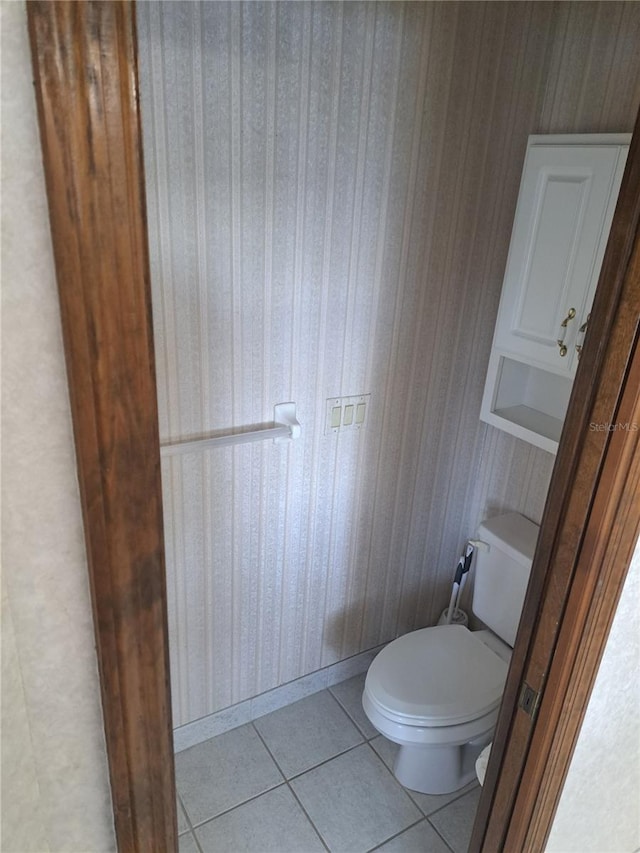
251	709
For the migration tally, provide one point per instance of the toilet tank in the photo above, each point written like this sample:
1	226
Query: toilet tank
502	572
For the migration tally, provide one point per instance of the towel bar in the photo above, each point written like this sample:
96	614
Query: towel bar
285	428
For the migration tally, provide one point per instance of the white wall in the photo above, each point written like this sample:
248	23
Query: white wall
599	810
55	788
331	189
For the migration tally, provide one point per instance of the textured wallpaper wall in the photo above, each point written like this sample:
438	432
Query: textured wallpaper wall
55	784
331	189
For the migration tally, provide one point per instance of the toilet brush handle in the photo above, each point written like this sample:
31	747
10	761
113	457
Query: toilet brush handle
463	580
463	568
452	601
457	578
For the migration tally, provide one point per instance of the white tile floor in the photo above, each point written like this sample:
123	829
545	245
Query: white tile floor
312	776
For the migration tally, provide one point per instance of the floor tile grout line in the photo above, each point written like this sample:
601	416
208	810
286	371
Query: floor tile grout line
345	710
237	805
295	796
340	705
190	832
284	781
196	841
189	824
308	816
440	835
448	803
459	794
404	790
283	784
350	715
338	755
273	758
313	766
442	808
392	837
325	761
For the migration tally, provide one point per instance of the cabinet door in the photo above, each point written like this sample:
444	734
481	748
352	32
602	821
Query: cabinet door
567	195
577	330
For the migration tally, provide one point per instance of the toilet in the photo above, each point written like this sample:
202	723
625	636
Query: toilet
436	692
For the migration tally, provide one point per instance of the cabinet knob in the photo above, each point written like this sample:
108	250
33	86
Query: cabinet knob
563	329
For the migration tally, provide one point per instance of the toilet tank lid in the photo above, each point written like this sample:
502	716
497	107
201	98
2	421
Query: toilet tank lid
512	533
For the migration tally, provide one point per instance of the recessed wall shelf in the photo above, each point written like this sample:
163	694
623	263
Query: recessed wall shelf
528	402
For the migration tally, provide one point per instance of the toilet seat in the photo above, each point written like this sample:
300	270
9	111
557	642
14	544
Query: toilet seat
436	677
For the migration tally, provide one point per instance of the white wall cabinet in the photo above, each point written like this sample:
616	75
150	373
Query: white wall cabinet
568	195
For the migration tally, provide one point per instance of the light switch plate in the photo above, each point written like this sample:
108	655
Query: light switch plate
347	413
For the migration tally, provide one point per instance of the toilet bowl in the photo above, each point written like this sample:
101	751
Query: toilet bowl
436	691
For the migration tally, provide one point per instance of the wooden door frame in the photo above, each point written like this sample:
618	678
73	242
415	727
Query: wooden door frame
85	68
84	61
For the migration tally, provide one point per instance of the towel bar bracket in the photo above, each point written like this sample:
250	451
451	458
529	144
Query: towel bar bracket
285	414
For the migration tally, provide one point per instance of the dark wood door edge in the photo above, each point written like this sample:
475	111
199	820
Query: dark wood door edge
586	539
607	550
84	61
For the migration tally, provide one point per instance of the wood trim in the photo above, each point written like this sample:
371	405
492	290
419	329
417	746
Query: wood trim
84	60
608	545
587	536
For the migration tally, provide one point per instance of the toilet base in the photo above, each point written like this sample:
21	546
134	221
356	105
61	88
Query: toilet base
432	769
